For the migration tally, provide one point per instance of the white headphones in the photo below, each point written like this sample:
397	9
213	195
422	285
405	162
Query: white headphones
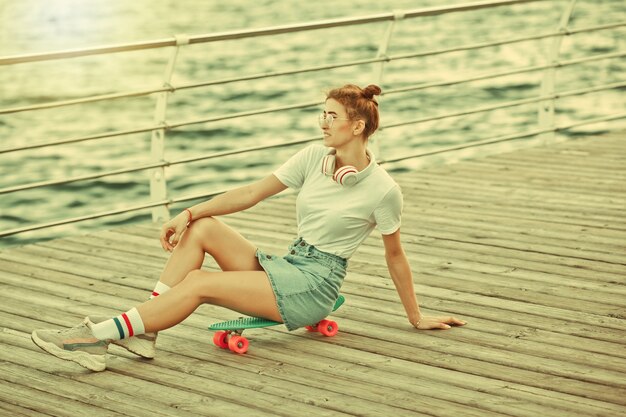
346	175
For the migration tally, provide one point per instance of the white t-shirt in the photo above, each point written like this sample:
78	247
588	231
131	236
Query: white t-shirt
336	218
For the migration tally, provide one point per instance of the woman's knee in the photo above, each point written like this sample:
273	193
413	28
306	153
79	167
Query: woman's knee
204	285
198	277
202	230
194	282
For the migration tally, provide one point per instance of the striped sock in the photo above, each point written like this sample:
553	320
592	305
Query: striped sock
159	289
125	325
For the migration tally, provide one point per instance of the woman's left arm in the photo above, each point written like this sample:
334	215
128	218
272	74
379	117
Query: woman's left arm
402	277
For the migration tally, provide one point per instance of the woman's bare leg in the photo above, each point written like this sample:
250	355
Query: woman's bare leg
248	292
231	251
243	286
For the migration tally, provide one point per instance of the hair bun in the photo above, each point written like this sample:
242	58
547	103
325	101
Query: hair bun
371	90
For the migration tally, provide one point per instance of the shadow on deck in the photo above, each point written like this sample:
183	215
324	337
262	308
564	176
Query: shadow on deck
529	247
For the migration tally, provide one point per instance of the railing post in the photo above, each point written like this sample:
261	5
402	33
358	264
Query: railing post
158	184
380	66
545	116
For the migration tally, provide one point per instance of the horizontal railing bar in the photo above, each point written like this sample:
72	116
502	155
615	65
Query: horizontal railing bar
83	100
574	31
77	53
283	73
107	213
506	138
508	104
88	177
245	150
245	114
608	118
309	139
82	218
501	42
333	23
83	139
208	195
250	33
153	165
522	70
312	104
559	64
390	58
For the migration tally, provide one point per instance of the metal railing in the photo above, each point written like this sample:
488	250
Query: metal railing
159	194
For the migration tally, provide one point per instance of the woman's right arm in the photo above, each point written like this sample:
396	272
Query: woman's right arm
237	199
232	201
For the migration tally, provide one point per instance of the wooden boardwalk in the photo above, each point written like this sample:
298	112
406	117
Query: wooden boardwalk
529	247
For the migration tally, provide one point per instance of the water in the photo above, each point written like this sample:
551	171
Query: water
28	27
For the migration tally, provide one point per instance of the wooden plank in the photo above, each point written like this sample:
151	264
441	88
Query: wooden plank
576	178
494	345
571	168
45	402
40	374
447	183
521	325
504	212
191	388
538	175
323	392
14	410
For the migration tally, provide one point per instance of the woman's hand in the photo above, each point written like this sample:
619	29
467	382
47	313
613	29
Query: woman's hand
440	322
173	230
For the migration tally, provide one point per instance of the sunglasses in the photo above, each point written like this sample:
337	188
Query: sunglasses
327	119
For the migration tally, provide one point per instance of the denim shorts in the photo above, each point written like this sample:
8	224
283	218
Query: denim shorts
306	282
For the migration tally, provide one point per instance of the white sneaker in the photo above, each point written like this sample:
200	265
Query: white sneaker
143	345
76	344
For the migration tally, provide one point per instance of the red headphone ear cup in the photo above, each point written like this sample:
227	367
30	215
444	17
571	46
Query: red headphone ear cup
346	175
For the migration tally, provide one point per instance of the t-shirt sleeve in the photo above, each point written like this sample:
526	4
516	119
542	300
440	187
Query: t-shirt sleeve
388	214
293	172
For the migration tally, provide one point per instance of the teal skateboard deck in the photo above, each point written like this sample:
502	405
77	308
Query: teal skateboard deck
239	344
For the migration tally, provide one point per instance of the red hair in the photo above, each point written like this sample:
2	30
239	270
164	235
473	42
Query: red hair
359	103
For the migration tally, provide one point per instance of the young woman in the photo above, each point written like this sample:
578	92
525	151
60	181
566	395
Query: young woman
343	195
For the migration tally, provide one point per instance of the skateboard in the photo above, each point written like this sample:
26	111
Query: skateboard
229	335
